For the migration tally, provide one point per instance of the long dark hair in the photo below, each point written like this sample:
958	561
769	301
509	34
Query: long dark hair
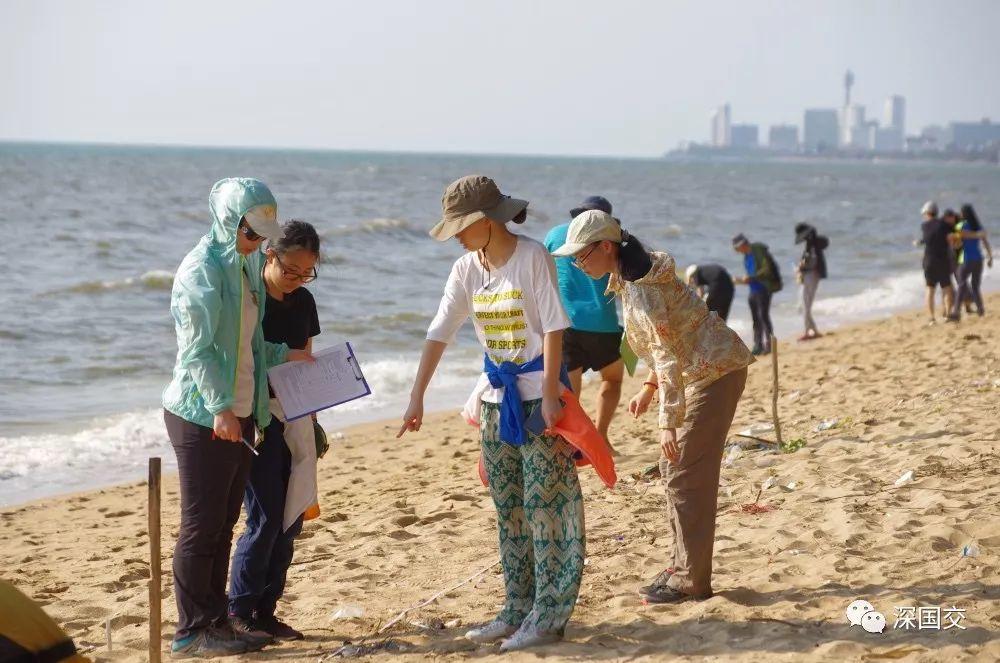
299	236
969	216
634	261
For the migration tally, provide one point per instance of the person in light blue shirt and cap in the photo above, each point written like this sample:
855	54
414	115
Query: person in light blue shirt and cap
594	340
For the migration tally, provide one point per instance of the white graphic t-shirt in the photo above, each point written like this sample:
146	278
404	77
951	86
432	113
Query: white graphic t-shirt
512	308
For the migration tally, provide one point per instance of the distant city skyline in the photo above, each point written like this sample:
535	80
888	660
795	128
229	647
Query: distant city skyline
850	130
561	77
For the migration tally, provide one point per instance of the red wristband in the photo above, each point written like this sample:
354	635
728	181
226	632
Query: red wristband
652	384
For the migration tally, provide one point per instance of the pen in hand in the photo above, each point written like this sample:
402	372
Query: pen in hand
243	440
249	446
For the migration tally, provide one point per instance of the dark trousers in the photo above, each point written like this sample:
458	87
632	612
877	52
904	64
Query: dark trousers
264	552
970	276
720	300
212	476
760	309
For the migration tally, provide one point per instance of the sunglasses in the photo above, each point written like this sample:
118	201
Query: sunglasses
295	276
249	233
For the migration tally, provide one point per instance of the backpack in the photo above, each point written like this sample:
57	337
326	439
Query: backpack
770	274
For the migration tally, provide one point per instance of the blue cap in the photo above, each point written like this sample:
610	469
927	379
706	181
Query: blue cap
591	202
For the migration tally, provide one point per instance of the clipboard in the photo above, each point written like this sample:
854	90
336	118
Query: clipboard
304	387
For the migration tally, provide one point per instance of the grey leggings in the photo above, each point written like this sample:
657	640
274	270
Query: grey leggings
970	275
810	282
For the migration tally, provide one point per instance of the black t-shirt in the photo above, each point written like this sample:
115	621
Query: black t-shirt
935	239
714	277
292	320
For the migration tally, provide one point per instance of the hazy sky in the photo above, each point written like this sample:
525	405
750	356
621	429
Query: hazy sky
552	77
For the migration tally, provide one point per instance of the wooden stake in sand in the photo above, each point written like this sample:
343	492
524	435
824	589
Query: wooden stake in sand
774	389
154	560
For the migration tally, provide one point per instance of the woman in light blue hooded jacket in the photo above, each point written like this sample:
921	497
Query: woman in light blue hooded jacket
217	396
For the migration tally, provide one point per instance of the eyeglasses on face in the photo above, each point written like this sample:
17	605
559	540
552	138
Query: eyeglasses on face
580	259
295	276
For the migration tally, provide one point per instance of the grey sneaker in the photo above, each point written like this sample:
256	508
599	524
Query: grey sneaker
530	636
491	632
659	581
206	643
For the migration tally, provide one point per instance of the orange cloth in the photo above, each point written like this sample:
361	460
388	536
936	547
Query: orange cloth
577	429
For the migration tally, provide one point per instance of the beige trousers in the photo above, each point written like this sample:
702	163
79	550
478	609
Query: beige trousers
692	484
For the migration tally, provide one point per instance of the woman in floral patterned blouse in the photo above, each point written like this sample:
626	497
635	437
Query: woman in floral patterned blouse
685	346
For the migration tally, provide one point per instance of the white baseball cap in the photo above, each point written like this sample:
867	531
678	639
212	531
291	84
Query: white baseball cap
589	227
263	220
930	207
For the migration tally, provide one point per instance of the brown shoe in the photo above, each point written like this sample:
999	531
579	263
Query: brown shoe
245	630
278	629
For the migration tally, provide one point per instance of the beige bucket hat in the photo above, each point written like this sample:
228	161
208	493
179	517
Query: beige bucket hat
470	199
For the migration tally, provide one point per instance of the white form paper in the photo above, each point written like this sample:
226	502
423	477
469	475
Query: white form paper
304	387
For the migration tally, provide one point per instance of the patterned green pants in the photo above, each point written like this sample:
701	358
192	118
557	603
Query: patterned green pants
540	520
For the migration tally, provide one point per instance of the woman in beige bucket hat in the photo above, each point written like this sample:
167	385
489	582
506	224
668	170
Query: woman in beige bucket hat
684	345
507	284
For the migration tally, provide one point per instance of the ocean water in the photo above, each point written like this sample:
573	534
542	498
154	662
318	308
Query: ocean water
94	235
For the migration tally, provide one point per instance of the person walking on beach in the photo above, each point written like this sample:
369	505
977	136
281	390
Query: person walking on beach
937	260
764	280
811	268
686	346
216	396
714	285
594	338
507	284
950	217
968	233
282	482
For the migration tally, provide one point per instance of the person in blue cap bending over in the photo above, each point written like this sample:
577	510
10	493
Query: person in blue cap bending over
594	339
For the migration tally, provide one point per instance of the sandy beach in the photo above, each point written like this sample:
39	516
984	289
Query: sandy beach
405	519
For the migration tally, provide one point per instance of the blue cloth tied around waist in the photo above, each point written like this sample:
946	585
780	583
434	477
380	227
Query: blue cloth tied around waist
512	407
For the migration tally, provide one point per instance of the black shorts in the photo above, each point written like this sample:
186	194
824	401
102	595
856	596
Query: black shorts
935	274
590	350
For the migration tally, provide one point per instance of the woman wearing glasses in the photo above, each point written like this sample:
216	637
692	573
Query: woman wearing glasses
282	483
216	398
684	345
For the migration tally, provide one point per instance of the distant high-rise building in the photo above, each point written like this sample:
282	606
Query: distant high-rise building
853	129
820	130
935	138
721	126
870	132
784	137
744	136
895	114
888	139
848	82
973	135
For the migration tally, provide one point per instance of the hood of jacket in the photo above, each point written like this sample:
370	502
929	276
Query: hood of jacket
663	270
229	200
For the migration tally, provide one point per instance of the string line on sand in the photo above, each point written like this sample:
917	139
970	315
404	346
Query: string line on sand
395	620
